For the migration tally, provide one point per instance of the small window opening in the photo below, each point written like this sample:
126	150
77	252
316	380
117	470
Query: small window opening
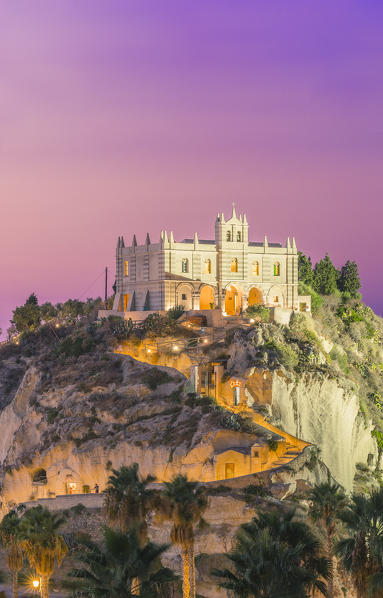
234	265
207	267
185	265
277	269
126	268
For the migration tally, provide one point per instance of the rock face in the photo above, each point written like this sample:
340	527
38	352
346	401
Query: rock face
320	411
290	374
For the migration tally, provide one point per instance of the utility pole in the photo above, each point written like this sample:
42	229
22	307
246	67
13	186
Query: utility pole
106	287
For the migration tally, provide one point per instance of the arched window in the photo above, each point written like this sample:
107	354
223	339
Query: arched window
234	265
228	236
207	267
238	236
256	268
126	268
277	269
185	265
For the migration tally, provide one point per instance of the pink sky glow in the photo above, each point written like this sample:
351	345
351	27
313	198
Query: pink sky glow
122	117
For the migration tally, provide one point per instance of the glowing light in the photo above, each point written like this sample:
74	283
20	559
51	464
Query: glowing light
205	340
149	350
252	320
57	325
35	583
175	348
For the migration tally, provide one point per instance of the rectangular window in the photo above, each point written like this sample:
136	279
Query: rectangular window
276	299
237	395
126	268
183	297
207	267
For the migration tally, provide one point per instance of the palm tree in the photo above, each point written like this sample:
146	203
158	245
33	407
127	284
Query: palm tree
183	503
42	543
128	500
10	540
327	502
110	570
362	551
275	557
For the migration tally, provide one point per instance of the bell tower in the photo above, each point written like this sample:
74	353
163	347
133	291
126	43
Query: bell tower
232	231
231	238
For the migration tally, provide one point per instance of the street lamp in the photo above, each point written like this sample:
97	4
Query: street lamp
36	585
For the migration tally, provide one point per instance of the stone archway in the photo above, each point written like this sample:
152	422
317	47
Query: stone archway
233	301
206	298
255	296
185	296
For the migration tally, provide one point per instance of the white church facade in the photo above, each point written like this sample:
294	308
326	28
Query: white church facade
227	272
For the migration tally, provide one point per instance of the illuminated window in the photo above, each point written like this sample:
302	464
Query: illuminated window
277	269
126	268
276	299
238	236
256	268
234	265
228	236
207	267
185	265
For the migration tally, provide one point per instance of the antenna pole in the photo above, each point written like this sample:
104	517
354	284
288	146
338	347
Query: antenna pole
106	287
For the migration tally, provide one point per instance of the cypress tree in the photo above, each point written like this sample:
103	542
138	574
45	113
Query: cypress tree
325	276
349	281
305	270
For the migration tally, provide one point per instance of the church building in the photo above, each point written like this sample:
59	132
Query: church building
228	272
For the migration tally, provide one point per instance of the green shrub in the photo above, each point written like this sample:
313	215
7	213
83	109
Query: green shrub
341	359
74	347
122	329
258	311
254	491
272	444
175	312
316	299
154	377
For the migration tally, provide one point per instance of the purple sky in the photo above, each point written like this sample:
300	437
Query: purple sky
122	117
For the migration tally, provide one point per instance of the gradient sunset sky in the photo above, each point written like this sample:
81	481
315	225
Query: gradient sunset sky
122	117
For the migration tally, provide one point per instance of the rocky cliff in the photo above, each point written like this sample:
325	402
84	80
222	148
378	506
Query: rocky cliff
323	382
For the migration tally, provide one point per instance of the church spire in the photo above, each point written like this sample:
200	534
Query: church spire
234	213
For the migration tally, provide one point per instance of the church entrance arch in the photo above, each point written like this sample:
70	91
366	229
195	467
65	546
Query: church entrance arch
185	296
206	298
255	296
233	301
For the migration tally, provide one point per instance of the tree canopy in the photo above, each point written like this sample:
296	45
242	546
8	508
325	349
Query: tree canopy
325	277
349	281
